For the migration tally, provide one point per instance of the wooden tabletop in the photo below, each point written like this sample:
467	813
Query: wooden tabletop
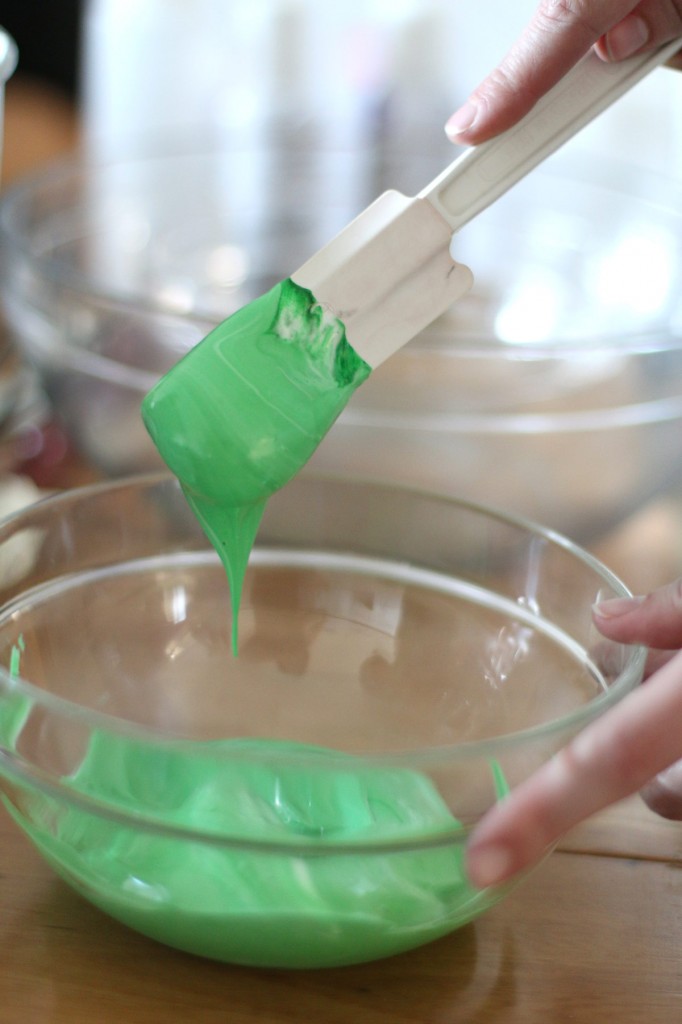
41	125
594	935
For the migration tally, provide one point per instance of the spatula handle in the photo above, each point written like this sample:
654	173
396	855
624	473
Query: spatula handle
485	172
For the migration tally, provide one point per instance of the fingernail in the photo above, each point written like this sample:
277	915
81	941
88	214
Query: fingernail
614	607
627	37
489	865
462	120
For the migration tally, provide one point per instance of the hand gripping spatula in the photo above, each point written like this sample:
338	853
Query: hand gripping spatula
389	273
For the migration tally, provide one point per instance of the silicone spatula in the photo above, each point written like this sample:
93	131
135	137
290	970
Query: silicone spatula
389	273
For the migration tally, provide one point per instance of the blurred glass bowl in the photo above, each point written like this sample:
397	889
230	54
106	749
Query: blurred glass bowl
554	390
404	659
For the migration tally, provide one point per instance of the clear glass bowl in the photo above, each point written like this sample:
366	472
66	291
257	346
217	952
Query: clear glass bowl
404	659
554	390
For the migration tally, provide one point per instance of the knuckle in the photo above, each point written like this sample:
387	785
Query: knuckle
506	80
560	14
660	622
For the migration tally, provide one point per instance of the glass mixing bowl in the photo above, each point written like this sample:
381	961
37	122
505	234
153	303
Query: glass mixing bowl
404	659
554	390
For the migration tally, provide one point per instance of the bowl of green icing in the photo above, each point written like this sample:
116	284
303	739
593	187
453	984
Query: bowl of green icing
403	660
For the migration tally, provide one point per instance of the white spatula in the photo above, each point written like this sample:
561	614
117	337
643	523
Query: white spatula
390	273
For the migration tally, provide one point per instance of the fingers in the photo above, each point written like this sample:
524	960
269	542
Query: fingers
664	793
626	38
651	23
613	757
558	35
654	620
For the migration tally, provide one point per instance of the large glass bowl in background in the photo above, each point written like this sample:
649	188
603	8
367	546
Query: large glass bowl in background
554	390
404	658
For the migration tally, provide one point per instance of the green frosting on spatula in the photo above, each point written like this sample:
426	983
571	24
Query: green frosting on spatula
242	412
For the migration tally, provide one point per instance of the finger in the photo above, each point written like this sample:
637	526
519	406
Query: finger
611	758
654	620
651	23
664	793
558	35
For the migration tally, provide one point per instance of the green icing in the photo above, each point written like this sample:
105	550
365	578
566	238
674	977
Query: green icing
234	881
238	901
244	410
15	706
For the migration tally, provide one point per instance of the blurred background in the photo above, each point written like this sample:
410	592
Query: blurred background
167	160
143	74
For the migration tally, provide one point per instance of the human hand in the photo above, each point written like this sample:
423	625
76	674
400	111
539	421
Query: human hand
558	35
617	755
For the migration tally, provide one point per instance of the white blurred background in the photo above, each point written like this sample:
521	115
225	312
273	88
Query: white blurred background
207	70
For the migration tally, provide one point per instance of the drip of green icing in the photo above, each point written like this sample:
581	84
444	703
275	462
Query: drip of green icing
15	657
499	780
15	707
232	532
242	412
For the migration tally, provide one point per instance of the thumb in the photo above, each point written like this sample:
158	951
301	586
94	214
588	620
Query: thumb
650	24
654	620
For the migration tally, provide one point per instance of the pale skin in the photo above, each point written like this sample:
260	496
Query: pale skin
557	36
637	746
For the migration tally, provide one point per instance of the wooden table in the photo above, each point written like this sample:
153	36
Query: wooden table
40	126
595	935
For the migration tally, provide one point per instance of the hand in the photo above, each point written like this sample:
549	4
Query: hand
618	754
559	34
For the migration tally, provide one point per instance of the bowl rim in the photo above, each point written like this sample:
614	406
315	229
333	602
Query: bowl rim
99	367
22	519
26	774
